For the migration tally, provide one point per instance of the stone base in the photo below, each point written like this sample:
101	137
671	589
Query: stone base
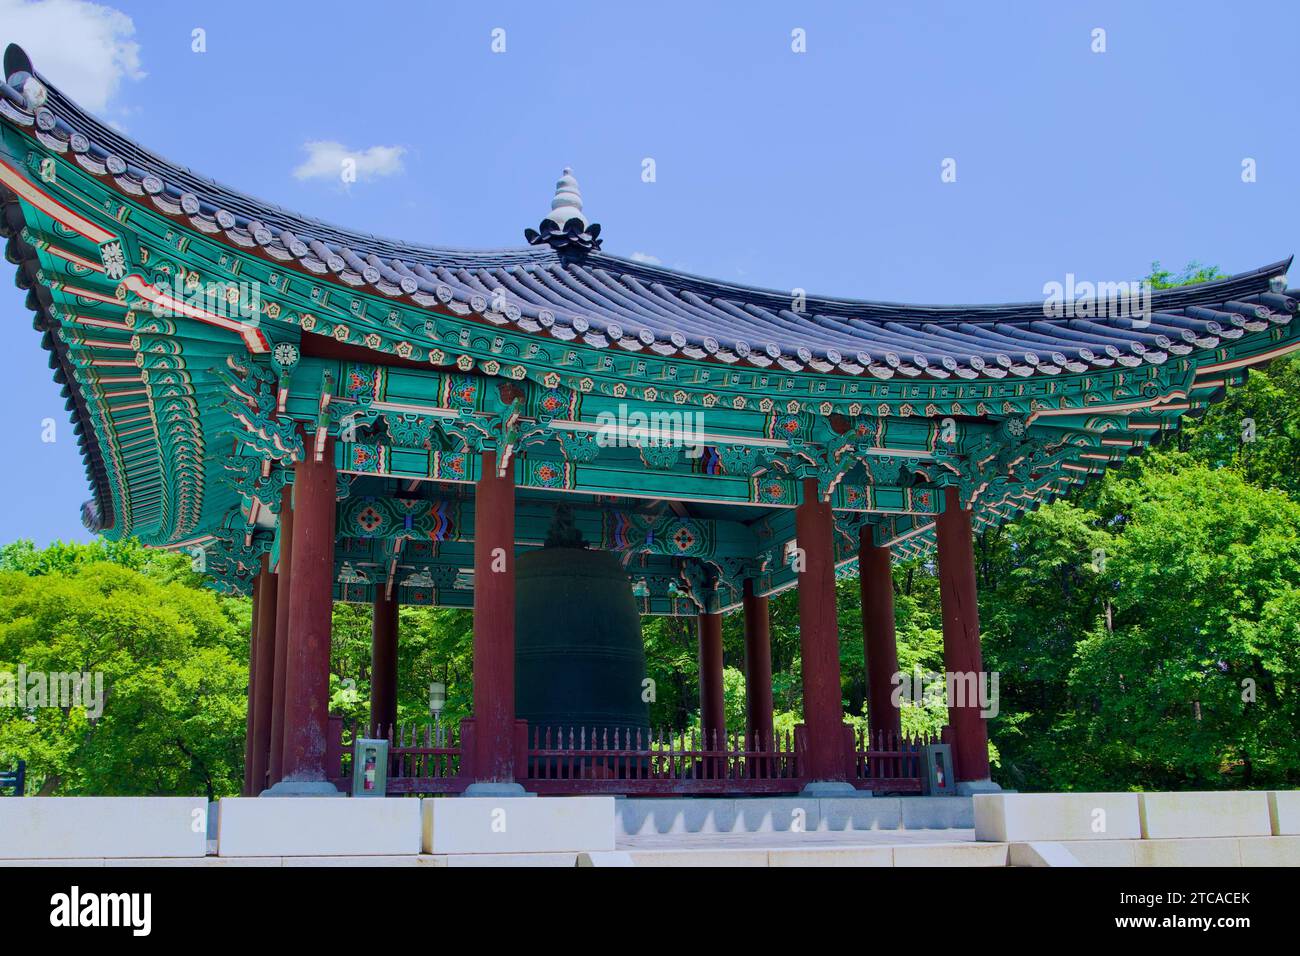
251	826
937	813
303	788
881	855
494	860
102	827
853	813
1205	814
640	816
612	858
966	788
1250	851
491	789
838	789
491	825
1056	817
1270	851
1042	854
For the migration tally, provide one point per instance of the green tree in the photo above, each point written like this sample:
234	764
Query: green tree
1191	685
1124	621
173	660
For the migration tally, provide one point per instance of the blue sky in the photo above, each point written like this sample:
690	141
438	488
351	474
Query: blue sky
818	170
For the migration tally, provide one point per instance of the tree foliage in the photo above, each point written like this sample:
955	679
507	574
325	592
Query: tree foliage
173	660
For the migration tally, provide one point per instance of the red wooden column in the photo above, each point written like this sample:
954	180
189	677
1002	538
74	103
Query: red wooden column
713	719
819	641
248	790
311	604
264	679
879	644
383	664
758	669
494	630
284	577
961	635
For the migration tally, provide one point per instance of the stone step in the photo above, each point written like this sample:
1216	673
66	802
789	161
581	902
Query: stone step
640	816
884	855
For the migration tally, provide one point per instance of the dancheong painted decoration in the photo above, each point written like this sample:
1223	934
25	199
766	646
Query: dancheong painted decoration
422	409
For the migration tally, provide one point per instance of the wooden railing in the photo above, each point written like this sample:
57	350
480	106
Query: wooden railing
885	761
575	760
622	760
422	761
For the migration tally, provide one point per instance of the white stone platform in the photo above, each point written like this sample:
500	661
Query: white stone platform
1216	829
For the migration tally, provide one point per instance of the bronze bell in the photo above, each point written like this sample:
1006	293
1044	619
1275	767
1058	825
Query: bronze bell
579	659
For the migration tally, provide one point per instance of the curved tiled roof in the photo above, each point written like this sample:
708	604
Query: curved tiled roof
605	300
97	513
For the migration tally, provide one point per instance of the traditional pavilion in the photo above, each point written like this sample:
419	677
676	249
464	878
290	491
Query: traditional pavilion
322	415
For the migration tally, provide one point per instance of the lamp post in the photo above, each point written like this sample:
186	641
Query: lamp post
437	699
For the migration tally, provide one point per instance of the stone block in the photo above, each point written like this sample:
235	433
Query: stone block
1041	853
1270	851
405	861
1284	812
832	856
613	858
1215	813
68	861
457	825
89	827
1029	817
318	826
701	857
513	859
1224	851
1104	852
190	861
951	854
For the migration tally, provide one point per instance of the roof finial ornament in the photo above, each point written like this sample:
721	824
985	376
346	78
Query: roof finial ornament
566	229
21	75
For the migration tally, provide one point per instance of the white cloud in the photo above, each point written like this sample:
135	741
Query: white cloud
646	258
85	49
329	160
